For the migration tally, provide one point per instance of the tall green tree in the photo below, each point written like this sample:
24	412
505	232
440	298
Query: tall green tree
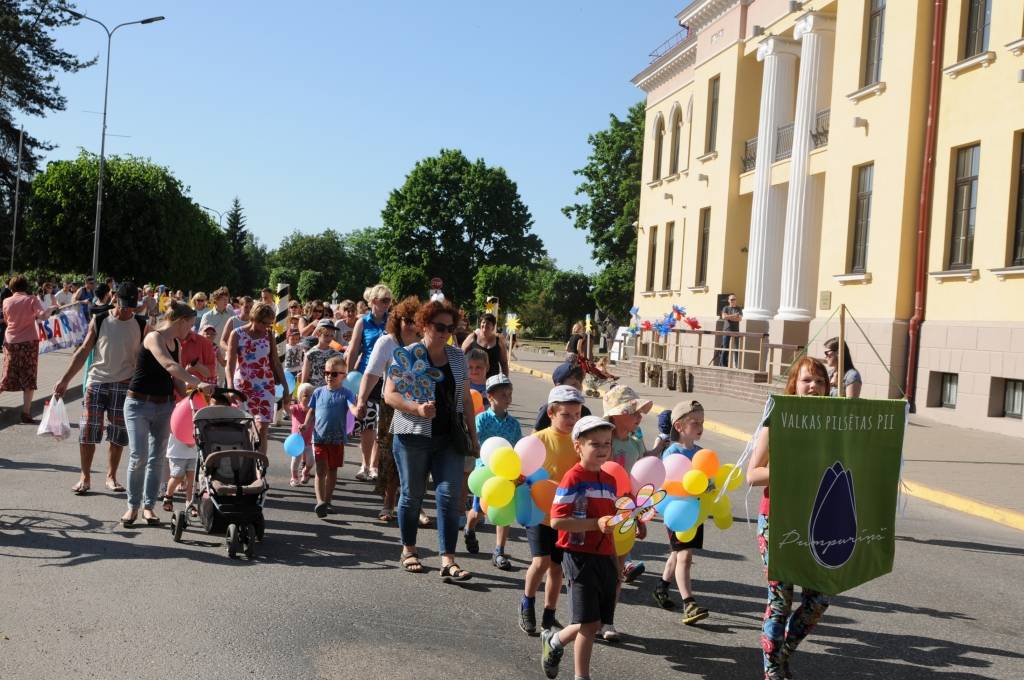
152	231
449	218
362	268
611	185
509	284
30	62
324	252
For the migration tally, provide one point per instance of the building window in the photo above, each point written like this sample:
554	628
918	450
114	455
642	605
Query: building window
1013	398
702	247
677	133
659	137
873	55
862	218
709	142
652	255
948	393
979	16
965	205
670	246
1018	230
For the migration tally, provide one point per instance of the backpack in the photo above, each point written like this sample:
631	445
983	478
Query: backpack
102	316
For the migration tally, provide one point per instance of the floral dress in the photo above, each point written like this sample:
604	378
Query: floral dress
254	375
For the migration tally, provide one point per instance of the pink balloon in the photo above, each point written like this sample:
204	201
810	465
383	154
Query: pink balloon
350	421
181	420
531	454
676	465
647	470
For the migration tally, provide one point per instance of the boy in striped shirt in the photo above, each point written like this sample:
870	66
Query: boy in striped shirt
582	513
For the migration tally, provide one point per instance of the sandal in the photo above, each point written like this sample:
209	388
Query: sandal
411	563
168	504
81	488
472	542
453	572
501	561
193	511
424	520
386	515
114	486
152	520
129	518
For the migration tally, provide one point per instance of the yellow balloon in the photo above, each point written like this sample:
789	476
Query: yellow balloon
695	482
721	508
624	541
723	522
707	499
505	464
689	534
498	492
723	474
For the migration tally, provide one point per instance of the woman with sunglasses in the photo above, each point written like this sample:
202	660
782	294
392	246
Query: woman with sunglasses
852	381
368	329
424	430
314	313
402	331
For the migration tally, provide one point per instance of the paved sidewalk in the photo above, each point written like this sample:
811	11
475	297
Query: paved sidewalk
966	470
51	367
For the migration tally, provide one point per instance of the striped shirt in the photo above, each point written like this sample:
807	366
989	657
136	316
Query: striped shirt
406	423
593	495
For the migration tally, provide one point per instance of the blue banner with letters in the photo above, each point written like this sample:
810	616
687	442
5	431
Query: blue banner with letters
65	329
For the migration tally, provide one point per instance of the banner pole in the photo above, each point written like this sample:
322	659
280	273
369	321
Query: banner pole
841	353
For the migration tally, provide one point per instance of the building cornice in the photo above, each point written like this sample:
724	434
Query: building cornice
700	13
676	60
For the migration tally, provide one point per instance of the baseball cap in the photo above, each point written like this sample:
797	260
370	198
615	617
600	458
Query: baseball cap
685	408
326	323
562	372
205	326
665	422
588	423
497	381
128	294
622	400
561	394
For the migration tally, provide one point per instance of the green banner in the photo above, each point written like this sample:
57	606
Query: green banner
835	466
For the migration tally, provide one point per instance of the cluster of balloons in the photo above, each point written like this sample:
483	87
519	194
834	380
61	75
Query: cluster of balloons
510	482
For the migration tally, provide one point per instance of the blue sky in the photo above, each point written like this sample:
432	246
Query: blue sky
312	112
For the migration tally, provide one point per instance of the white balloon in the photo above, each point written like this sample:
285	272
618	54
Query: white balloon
491	445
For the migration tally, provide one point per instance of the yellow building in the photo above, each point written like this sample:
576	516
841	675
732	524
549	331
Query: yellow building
786	161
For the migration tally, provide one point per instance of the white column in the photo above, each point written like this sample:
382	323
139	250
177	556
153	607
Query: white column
800	251
767	215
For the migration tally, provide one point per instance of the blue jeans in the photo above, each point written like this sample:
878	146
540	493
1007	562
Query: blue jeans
415	456
149	426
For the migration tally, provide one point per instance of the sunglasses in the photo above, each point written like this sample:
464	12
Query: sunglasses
409	321
443	328
331	374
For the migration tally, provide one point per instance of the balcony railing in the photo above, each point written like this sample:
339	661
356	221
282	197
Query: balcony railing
819	135
784	142
749	154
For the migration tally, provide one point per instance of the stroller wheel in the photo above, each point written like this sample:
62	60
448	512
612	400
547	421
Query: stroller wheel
234	544
250	540
178	523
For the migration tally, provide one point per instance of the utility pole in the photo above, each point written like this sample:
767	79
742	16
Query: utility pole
17	193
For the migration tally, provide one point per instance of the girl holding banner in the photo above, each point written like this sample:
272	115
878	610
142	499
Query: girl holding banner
783	630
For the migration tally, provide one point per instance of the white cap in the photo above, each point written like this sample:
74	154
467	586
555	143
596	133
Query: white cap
588	423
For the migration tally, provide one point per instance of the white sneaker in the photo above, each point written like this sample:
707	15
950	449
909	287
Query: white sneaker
609	634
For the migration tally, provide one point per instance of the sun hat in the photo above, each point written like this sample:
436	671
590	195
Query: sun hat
588	423
561	394
497	381
622	400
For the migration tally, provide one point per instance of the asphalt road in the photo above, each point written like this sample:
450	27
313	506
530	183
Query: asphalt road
83	597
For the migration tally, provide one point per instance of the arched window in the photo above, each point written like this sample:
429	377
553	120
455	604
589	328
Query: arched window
659	140
677	133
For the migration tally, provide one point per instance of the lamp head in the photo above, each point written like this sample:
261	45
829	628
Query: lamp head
150	20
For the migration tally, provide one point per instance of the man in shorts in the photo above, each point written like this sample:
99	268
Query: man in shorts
115	336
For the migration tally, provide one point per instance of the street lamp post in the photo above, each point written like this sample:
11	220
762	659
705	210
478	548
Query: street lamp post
103	136
220	215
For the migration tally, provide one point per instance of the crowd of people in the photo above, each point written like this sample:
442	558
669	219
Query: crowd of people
145	347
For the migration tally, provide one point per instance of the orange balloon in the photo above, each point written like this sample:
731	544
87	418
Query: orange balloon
675	488
543	494
478	401
706	461
483	504
622	483
335	345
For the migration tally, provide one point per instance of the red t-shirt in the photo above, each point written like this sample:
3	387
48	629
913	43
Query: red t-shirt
594	492
198	348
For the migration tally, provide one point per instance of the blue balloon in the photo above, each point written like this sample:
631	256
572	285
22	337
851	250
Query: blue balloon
660	507
289	378
682	513
352	381
278	392
537	476
294	445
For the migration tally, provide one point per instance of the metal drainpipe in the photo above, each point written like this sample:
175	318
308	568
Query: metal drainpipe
925	205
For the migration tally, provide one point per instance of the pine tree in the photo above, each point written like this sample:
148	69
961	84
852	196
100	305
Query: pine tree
238	239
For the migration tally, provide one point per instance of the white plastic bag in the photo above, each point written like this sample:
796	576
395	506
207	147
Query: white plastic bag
55	420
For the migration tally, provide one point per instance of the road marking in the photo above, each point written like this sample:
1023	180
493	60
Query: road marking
952	501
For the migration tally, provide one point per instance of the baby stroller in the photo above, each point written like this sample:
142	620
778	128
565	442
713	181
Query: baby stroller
231	483
594	376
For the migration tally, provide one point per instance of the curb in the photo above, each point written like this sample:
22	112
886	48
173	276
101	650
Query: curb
951	501
12	415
